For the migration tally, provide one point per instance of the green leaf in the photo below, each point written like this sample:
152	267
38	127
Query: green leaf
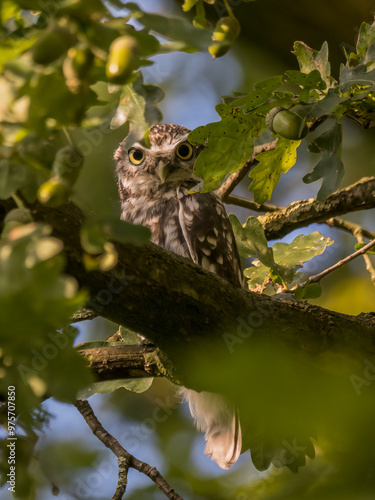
199	20
13	47
313	291
13	175
31	274
95	233
310	59
258	275
330	168
358	246
272	164
133	385
356	77
312	80
189	4
137	105
366	38
228	144
51	98
251	240
308	291
287	259
325	106
262	92
302	249
174	28
126	232
8	9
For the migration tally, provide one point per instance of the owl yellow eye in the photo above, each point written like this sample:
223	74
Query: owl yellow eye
136	156
185	151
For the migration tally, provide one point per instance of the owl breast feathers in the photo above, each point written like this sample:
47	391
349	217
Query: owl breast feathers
154	186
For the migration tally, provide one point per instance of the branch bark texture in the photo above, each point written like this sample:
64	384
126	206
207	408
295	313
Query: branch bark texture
122	361
359	196
177	304
182	308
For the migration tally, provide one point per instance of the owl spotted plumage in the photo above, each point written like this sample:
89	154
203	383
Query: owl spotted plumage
154	186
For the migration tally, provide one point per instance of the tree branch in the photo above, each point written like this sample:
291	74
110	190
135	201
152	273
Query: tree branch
122	361
239	201
359	196
369	266
125	459
279	221
177	304
318	277
350	227
185	310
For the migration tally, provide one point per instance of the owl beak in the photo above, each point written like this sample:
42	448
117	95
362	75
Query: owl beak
163	170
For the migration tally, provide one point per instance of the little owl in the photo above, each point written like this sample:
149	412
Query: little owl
154	186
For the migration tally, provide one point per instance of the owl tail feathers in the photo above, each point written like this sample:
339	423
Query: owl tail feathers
220	423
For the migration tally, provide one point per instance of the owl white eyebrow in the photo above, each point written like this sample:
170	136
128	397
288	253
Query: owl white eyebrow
136	145
174	143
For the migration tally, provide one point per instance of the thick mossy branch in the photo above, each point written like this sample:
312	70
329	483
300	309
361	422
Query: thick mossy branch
359	196
184	309
194	316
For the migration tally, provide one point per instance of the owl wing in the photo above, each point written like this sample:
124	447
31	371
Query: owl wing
209	236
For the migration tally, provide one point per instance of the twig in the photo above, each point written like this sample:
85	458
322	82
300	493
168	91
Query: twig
234	179
351	227
123	468
239	201
68	136
358	232
18	201
229	10
318	277
366	258
126	460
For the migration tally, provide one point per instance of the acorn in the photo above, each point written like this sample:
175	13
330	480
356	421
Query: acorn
226	31
51	44
123	59
286	124
82	59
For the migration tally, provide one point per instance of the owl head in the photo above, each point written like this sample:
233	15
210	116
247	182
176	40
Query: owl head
167	163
